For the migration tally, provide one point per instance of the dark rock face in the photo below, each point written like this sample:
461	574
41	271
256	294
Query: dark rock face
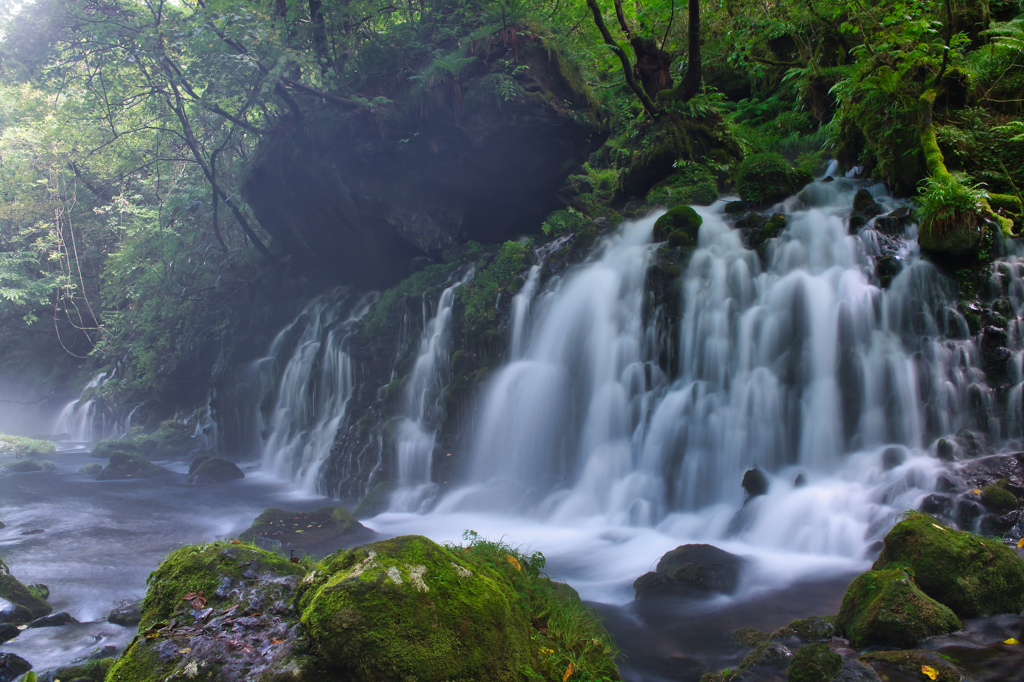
215	470
990	470
893	223
996	356
8	632
319	532
755	482
53	620
12	667
692	570
362	198
128	614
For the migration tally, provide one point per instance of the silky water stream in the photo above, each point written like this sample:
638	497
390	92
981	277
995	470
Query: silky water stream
584	447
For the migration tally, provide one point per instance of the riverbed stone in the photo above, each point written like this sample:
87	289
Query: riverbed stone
885	607
126	614
692	570
12	667
124	465
972	575
909	664
318	532
215	470
814	663
53	620
8	632
754	482
17	600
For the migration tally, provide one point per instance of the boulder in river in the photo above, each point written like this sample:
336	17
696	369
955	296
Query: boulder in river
17	602
885	607
53	620
908	665
126	614
692	570
214	470
754	482
814	663
94	670
124	465
318	532
12	667
972	575
767	178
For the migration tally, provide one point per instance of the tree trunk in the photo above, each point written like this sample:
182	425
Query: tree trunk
692	79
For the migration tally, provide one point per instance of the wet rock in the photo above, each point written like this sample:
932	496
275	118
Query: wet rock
13	613
39	590
998	498
864	204
12	667
33	531
885	607
53	620
938	505
996	356
894	223
738	207
767	178
197	462
215	470
892	458
104	652
815	628
8	632
90	469
770	654
126	614
855	671
995	524
971	444
123	465
800	481
945	450
748	636
814	663
990	470
679	227
972	575
92	669
17	602
907	665
318	532
692	570
755	482
886	268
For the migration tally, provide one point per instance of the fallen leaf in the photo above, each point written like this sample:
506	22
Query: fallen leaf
184	651
938	526
976	491
570	669
298	531
930	672
1020	543
1010	641
199	602
515	562
236	542
276	641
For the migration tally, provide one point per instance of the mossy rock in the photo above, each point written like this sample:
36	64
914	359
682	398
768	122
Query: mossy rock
20	595
170	440
124	465
214	470
375	501
909	663
201	568
816	628
748	636
94	671
768	653
408	608
105	448
90	469
693	570
683	222
972	575
999	498
814	663
318	532
768	178
21	447
886	607
26	465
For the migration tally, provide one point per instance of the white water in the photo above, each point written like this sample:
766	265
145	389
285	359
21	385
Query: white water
78	420
424	412
314	387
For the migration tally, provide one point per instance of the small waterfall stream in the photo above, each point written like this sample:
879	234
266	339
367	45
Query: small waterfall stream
314	387
79	421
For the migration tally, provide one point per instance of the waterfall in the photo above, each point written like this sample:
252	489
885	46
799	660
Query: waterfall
423	413
313	388
78	420
802	365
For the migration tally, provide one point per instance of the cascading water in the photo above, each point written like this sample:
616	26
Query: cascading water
417	431
314	387
77	422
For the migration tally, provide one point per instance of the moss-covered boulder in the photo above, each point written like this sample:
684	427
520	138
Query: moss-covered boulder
319	532
679	227
26	465
18	604
997	497
972	575
90	469
886	607
814	663
815	628
768	178
93	671
221	611
214	470
694	183
909	664
124	465
408	608
172	439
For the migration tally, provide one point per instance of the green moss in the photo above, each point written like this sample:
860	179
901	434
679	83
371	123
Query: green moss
124	465
90	469
375	501
694	183
20	447
972	575
15	591
767	178
564	222
96	671
681	221
998	498
1007	203
815	628
910	662
170	440
139	663
814	663
198	568
747	636
886	607
479	295
407	609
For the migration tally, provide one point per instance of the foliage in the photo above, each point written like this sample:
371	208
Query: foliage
478	297
563	222
950	214
766	178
